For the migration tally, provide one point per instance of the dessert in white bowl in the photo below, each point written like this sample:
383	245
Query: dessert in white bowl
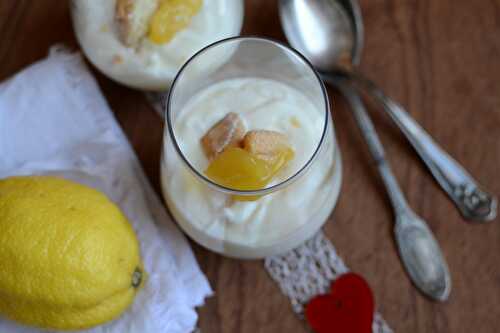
250	166
255	226
143	43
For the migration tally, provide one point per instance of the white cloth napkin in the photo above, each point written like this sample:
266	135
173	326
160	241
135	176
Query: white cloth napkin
54	120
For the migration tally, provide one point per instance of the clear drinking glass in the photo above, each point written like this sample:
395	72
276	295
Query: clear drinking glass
272	87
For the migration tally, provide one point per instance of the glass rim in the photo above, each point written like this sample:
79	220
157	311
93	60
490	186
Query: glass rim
288	180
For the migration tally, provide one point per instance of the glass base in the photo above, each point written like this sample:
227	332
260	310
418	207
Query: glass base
285	244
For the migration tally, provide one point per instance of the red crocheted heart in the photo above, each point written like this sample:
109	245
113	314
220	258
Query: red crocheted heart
348	308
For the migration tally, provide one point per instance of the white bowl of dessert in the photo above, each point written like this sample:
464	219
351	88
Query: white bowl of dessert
143	43
250	164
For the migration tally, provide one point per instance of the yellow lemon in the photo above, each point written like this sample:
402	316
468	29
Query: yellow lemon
69	259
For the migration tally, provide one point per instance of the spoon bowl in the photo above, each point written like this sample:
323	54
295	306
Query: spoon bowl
314	38
303	22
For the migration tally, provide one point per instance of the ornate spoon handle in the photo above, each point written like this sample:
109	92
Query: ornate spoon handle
474	203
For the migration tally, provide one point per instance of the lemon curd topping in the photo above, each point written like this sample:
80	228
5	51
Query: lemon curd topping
171	17
239	169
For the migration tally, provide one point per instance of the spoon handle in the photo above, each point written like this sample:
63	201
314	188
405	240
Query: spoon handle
419	250
396	196
474	203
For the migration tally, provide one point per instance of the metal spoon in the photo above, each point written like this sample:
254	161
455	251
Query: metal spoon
330	34
418	248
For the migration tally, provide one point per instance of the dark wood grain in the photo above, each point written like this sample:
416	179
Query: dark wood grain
438	58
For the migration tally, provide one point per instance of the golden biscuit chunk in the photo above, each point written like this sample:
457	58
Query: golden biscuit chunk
226	133
266	144
133	18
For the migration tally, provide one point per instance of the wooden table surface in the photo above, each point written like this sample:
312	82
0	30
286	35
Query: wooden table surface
438	58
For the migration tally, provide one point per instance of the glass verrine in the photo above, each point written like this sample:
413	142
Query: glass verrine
270	87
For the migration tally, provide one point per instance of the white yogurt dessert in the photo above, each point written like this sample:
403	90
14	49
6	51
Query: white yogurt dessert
263	113
143	43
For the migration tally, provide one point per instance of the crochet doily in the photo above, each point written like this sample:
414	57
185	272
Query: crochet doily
307	271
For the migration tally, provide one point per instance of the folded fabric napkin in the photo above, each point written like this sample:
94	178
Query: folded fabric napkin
54	120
